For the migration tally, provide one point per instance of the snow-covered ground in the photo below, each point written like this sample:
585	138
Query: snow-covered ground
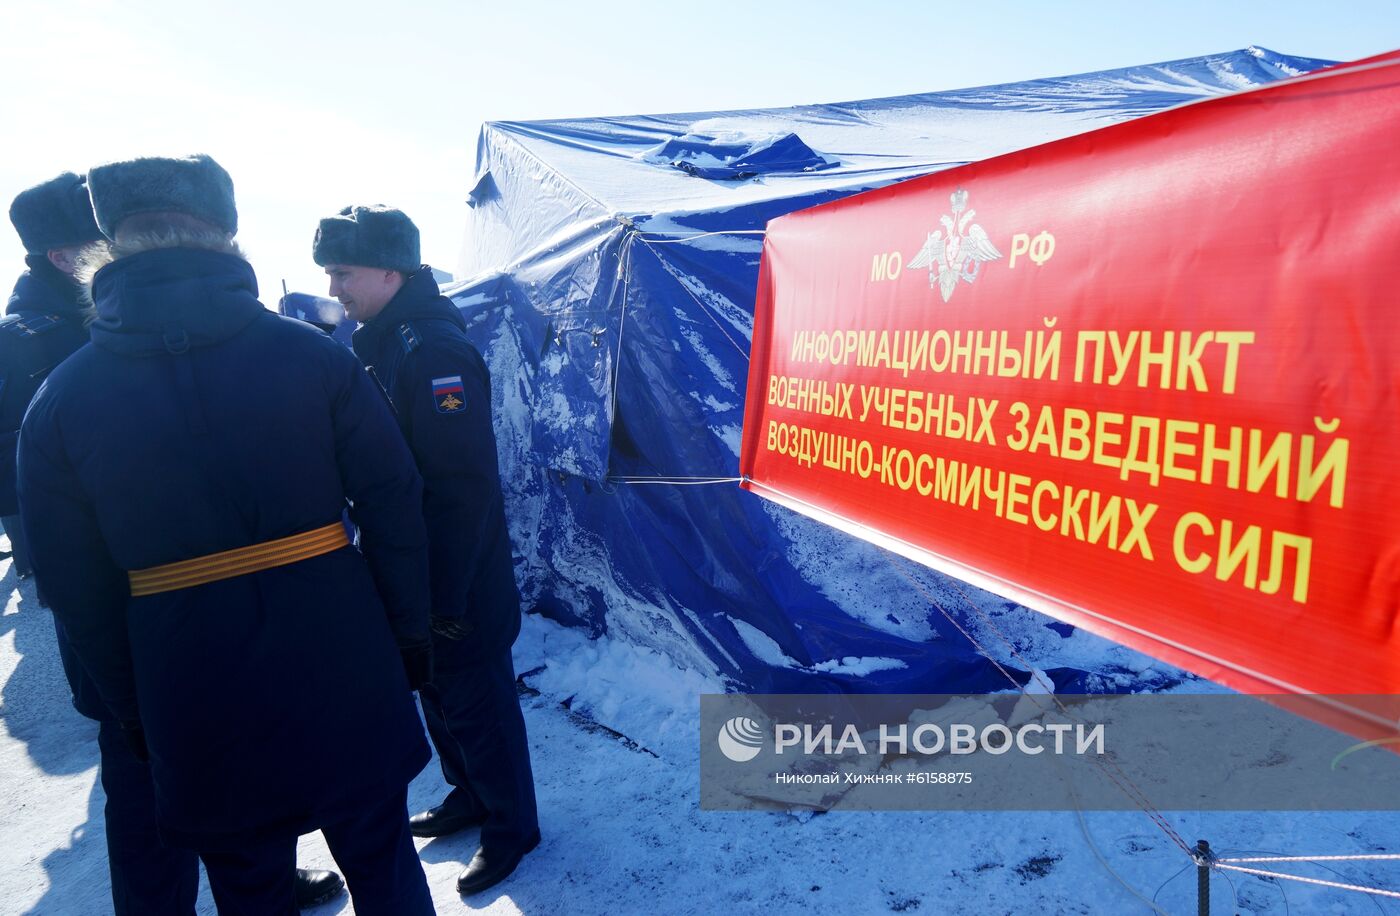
613	730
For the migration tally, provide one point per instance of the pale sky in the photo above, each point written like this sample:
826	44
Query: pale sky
314	105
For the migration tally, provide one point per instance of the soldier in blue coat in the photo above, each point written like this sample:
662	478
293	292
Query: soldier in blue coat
414	342
45	323
181	482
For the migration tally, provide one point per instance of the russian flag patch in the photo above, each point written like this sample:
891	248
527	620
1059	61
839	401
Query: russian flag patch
448	394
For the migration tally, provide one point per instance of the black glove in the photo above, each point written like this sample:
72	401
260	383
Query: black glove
135	737
418	665
453	628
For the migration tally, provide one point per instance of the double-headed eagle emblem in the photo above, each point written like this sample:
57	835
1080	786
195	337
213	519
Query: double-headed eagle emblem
960	254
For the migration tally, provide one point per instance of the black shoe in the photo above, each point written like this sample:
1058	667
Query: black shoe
440	822
490	867
315	886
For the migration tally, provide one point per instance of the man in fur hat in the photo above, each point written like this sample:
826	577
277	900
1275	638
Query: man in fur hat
182	481
415	342
45	322
45	318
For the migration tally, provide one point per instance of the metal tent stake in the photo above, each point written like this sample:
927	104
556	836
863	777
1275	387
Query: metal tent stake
1203	859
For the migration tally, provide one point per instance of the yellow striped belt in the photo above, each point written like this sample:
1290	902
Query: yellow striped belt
237	562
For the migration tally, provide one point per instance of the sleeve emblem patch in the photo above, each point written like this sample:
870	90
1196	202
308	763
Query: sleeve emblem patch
448	394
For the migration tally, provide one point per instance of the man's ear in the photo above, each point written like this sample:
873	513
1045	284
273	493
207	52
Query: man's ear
65	259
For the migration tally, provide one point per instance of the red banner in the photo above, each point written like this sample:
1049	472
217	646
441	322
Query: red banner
1145	379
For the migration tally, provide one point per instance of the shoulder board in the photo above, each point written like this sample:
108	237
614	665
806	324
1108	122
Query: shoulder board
408	337
31	325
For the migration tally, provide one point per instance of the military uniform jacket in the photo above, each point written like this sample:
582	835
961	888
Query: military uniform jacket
43	324
199	422
417	348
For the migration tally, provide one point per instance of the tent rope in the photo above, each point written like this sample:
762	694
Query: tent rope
634	234
1368	857
698	235
1107	767
1379	892
676	481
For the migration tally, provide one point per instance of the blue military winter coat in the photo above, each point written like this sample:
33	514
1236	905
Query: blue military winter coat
198	422
44	323
417	347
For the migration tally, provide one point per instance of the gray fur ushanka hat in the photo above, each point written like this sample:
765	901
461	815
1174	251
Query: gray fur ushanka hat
368	236
54	214
193	185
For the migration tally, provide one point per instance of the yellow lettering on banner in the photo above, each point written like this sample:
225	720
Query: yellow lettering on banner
899	356
955	423
831	454
1137	528
962	350
1044	522
1103	437
922	483
1302	565
970	485
1105	520
987	352
1230	456
984	425
882	350
1163	358
1333	464
947	472
1011	361
887	460
918	352
1175	448
1042	248
1098	339
1017	497
1201	561
1020	245
1045	432
1232	553
1188	361
1071	523
1274	462
867	398
916	411
886	267
896	408
865	354
1232	340
1122	355
1075	443
865	459
1149	464
997	494
1020	438
1047	356
904	469
940	340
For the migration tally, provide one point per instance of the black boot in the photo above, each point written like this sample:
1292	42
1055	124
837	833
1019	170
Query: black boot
316	886
442	820
490	867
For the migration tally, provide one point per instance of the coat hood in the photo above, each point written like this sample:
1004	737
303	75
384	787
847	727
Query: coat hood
44	288
169	300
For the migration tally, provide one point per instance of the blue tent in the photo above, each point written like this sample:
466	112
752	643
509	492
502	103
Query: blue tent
613	264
